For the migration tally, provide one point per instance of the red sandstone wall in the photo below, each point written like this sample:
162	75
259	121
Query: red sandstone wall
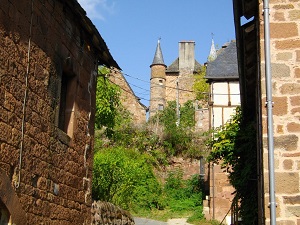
56	168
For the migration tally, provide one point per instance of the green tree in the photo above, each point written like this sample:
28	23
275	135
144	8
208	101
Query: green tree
201	87
179	138
107	101
234	146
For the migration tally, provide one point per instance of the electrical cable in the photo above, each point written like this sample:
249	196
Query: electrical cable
17	183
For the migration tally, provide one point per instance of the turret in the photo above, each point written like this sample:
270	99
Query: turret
213	52
157	82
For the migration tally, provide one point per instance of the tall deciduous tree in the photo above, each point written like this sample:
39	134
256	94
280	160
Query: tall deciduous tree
107	101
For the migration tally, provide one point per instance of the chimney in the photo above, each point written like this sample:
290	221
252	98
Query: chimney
187	55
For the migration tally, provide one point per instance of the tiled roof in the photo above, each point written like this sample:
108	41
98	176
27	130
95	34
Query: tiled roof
225	66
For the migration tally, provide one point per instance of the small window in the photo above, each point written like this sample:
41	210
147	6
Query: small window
66	104
161	82
160	107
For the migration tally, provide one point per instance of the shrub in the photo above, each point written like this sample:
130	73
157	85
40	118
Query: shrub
125	178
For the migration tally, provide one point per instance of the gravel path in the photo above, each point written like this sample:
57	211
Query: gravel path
144	221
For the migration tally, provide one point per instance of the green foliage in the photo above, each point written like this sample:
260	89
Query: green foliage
126	156
234	146
125	178
201	87
184	195
107	101
179	139
223	142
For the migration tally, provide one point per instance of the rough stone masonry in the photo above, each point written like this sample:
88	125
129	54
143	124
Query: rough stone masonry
49	53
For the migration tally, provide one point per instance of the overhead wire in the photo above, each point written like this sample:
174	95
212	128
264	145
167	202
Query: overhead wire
180	89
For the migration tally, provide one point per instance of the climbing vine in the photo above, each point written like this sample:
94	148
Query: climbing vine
201	87
233	146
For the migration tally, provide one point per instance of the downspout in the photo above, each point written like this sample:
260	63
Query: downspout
269	103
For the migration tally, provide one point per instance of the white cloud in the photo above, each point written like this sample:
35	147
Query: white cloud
96	9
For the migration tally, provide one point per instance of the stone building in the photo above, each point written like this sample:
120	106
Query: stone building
222	76
175	82
129	100
284	24
49	54
169	83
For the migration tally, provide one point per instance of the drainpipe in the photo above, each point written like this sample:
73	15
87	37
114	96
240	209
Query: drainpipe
272	203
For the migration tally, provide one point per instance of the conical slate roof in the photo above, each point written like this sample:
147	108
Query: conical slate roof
158	57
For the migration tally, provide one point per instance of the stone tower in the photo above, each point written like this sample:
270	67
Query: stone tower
157	82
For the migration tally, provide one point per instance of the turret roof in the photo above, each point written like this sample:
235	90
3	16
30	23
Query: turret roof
158	57
213	52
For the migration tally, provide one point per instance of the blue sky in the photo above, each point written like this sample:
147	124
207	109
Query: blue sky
131	29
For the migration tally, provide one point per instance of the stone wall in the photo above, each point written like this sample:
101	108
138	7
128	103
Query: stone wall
129	100
185	88
107	213
48	64
157	89
285	58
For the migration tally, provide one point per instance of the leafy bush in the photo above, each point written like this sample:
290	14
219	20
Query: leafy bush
184	195
179	139
234	146
124	177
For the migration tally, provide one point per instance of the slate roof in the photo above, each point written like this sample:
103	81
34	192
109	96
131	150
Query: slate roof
174	67
158	57
225	66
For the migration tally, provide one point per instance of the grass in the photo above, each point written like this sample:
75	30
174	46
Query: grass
164	215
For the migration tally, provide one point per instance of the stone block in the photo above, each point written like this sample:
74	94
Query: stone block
290	88
287	44
283	6
280	106
293	127
284	142
294	15
297	72
298	55
285	183
288	164
284	56
295	100
292	211
291	200
283	30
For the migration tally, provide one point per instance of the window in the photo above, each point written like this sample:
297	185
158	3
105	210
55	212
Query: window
161	82
160	107
66	104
